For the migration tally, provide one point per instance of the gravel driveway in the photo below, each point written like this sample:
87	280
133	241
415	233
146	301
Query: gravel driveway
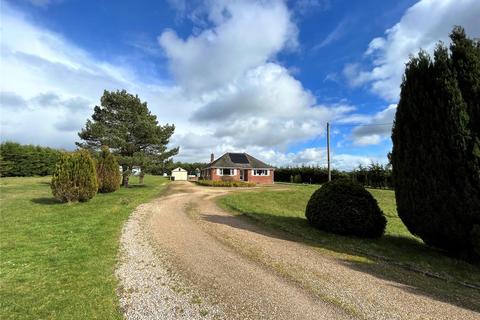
184	258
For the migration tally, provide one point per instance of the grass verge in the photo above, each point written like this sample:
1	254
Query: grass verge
58	260
392	256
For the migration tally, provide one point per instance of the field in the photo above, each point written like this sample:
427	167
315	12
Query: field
397	255
58	260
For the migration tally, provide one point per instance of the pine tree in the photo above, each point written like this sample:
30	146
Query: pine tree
108	172
435	154
124	123
74	178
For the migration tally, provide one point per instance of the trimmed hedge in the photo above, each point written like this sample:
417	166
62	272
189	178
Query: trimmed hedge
18	160
74	178
306	174
345	207
212	183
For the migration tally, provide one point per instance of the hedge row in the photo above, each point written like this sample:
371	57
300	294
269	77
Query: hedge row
374	175
306	174
18	160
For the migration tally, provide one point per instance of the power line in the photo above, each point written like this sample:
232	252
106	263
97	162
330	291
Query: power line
328	152
363	125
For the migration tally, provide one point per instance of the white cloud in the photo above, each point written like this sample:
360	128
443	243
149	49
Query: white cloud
337	33
245	34
349	161
421	27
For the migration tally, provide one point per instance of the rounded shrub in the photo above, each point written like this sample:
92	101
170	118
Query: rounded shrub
74	177
108	172
345	207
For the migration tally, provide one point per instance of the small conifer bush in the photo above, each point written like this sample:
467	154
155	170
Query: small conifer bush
74	178
108	173
345	207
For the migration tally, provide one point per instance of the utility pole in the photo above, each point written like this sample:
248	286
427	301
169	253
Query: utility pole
328	152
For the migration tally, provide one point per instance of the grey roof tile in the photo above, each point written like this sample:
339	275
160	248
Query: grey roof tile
226	161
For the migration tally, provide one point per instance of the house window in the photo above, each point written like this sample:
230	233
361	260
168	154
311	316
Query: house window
227	172
260	172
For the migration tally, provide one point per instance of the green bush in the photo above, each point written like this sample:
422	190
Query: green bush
436	147
108	172
18	160
74	177
217	183
345	207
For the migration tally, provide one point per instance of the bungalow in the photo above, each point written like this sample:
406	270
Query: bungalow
238	167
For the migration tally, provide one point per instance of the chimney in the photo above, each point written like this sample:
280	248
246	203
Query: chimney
212	157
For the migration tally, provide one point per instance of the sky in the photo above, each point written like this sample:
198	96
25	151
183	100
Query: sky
262	77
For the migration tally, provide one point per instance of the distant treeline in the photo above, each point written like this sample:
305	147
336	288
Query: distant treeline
18	160
375	175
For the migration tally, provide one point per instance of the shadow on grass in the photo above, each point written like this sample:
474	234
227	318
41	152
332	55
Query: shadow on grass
389	256
46	201
133	186
44	183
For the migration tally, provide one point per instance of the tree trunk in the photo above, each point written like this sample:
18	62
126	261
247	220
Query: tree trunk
126	176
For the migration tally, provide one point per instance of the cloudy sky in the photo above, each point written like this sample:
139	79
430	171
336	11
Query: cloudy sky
257	76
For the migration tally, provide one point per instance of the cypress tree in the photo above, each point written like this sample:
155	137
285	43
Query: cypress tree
108	173
436	154
74	178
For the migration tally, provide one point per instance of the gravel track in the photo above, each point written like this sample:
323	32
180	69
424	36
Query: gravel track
149	287
230	268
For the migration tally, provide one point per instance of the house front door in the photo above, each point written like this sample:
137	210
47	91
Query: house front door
242	175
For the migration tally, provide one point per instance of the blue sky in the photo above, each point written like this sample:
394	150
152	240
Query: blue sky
257	76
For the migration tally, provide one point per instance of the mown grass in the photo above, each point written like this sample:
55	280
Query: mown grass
58	260
393	256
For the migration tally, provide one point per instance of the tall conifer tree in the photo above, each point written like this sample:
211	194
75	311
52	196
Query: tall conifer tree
436	147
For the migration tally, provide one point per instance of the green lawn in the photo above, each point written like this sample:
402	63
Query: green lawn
57	260
393	256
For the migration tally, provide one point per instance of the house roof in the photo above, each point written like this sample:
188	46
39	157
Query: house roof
179	170
238	160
